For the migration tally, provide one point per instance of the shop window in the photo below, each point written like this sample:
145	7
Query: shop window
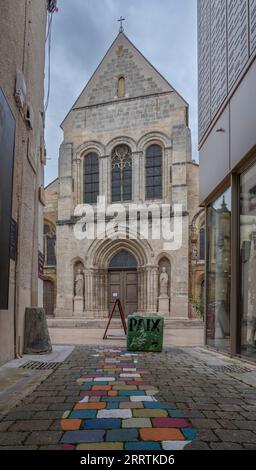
218	272
248	262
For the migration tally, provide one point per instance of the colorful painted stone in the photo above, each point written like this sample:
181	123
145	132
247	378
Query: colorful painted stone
119	411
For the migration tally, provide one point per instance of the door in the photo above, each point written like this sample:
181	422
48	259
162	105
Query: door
48	298
123	283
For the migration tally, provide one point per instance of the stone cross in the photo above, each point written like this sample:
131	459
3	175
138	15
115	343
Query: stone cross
121	19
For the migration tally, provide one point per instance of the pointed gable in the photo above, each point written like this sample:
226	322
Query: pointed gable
122	59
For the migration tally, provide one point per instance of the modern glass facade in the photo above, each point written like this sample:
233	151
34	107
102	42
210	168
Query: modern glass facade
218	272
248	261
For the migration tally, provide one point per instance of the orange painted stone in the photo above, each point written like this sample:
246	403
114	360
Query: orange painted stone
90	406
161	434
70	424
112	393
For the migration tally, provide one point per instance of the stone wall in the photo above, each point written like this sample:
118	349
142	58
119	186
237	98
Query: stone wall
22	26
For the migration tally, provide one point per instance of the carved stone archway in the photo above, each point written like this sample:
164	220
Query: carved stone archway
96	275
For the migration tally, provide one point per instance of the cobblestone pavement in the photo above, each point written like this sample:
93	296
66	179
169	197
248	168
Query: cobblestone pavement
222	409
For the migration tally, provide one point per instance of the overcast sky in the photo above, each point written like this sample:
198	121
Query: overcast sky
83	30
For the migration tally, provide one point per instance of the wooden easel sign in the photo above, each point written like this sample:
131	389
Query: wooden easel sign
121	312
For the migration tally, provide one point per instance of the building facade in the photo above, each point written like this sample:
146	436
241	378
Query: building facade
126	139
22	27
227	142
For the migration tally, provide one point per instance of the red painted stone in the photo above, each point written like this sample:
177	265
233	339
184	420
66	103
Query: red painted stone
170	423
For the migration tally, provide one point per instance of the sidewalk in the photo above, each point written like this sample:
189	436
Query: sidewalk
209	390
176	333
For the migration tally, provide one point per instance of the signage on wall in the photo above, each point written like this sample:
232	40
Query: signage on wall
40	265
13	240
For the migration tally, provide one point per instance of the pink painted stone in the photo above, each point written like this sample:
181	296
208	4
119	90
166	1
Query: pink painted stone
170	423
67	447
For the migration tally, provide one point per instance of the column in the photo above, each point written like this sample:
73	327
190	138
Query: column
136	175
154	288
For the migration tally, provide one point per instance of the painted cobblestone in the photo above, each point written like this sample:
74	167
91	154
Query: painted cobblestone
119	410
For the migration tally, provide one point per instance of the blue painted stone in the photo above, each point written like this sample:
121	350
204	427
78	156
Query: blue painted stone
81	414
142	446
152	405
89	385
112	405
189	433
122	435
73	437
176	414
128	393
114	399
104	423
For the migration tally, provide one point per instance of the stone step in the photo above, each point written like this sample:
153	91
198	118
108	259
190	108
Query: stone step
116	323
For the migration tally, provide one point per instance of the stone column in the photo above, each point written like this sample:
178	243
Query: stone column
136	175
143	289
86	291
90	291
139	271
65	200
166	174
79	182
142	177
154	288
105	293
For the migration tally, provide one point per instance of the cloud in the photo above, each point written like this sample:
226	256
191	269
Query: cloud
163	30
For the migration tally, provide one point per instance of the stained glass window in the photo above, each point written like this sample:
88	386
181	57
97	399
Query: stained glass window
121	174
91	178
154	172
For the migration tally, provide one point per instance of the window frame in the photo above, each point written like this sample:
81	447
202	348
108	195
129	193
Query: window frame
160	195
122	179
92	192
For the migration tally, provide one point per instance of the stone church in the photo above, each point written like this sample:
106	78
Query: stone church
125	138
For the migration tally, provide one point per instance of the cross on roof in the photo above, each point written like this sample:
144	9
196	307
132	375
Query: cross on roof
121	19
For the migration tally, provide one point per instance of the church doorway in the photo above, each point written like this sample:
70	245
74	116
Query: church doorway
48	297
123	281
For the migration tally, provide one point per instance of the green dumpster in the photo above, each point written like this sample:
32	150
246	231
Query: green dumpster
145	333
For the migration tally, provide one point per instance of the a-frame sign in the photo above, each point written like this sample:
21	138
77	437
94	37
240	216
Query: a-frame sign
121	312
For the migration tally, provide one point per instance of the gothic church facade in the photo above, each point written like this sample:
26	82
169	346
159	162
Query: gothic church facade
126	138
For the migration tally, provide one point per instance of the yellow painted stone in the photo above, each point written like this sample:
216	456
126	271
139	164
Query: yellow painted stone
100	446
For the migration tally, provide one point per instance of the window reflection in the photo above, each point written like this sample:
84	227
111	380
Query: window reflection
219	272
248	261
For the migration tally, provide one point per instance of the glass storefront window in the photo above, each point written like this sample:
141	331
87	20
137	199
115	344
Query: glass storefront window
218	272
248	261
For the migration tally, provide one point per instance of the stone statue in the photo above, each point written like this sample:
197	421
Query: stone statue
164	278
79	284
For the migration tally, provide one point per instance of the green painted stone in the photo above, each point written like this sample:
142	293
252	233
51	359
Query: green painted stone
145	333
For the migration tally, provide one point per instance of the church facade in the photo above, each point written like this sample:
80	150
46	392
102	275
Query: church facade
127	142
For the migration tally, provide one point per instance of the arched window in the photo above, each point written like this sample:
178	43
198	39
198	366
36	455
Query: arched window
123	259
154	172
121	87
202	242
91	178
49	245
121	174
